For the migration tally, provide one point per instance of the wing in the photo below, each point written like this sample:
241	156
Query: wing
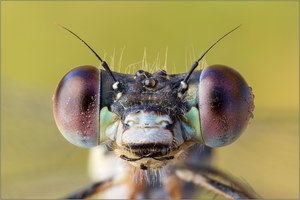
217	182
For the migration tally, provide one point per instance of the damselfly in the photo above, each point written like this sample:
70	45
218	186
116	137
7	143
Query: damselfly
152	123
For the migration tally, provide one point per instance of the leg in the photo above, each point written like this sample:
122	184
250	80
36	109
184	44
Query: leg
91	190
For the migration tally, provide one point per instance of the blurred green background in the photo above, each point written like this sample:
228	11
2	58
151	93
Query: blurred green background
36	161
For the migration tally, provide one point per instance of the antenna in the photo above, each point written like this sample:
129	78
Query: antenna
196	63
103	63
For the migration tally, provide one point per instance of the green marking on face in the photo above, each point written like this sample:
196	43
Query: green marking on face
193	119
106	119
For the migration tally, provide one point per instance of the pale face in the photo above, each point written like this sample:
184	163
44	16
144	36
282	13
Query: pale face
148	139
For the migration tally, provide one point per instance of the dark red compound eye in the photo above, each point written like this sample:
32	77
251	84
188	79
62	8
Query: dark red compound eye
76	104
225	104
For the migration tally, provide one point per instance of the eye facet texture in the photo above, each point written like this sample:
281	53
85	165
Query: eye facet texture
76	104
225	104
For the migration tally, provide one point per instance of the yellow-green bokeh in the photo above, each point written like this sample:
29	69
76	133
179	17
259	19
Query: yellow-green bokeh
36	162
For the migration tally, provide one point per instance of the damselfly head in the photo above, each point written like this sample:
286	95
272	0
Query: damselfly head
149	131
152	118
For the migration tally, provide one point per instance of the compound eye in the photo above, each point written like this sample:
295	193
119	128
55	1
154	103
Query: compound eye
225	104
76	104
